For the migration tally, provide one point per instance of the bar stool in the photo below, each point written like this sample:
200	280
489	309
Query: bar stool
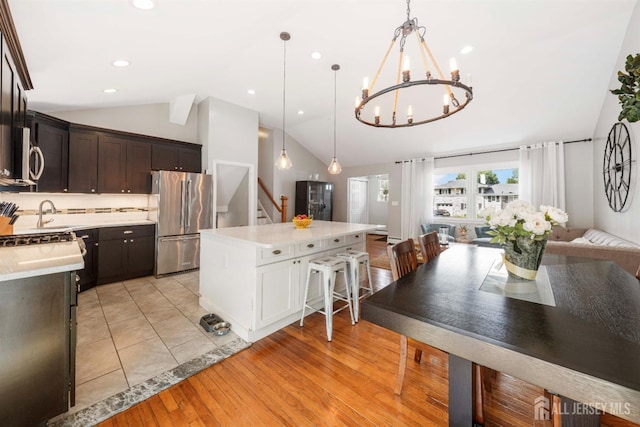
355	259
328	266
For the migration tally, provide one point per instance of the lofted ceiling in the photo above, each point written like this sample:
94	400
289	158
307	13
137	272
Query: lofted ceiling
540	69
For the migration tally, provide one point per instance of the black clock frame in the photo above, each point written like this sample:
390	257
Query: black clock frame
616	167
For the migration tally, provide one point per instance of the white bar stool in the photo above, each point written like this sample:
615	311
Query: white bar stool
355	259
329	266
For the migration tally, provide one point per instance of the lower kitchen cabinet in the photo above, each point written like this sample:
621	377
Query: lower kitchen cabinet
125	252
89	275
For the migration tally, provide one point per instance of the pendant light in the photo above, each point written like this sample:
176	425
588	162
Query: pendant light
284	162
334	166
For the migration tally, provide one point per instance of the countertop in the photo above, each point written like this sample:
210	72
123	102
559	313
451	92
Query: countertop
85	226
280	234
36	260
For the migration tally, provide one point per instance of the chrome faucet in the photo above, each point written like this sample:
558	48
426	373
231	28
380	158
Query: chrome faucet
53	210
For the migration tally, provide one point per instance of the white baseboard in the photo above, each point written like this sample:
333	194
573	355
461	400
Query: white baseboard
393	240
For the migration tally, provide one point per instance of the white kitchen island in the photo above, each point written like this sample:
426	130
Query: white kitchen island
254	276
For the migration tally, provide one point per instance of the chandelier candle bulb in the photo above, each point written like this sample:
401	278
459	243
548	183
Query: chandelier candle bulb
406	69
377	114
445	104
410	114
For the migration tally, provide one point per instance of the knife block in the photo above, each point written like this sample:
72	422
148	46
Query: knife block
5	227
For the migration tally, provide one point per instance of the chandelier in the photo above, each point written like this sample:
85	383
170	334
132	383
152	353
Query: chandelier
434	98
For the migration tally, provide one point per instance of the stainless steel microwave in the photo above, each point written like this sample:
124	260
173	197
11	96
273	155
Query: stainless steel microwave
29	162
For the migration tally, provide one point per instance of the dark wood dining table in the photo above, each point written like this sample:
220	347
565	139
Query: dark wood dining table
586	348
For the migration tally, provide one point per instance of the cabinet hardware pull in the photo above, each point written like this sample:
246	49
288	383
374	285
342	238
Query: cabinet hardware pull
311	245
93	190
336	240
125	240
130	240
277	252
95	244
357	236
86	236
128	232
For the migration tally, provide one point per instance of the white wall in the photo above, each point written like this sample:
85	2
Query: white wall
622	224
378	211
151	119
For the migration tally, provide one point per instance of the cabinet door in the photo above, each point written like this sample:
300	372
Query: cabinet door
83	162
112	259
138	167
191	160
112	164
6	111
54	143
164	157
276	291
141	251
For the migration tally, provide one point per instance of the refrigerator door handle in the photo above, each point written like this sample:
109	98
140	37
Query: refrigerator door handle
179	239
188	205
182	203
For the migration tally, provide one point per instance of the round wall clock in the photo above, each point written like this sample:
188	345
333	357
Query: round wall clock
616	167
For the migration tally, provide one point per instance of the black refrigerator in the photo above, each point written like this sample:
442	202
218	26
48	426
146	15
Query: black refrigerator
314	198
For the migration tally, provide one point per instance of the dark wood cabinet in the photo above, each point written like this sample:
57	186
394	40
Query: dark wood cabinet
89	275
125	252
6	112
54	143
176	157
123	166
83	162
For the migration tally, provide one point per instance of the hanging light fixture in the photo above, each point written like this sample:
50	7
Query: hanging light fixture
414	92
284	162
334	166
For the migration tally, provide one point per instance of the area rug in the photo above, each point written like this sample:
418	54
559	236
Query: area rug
119	402
380	262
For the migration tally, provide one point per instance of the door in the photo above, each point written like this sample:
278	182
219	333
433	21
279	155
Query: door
276	291
138	167
112	164
54	143
83	162
169	188
198	203
358	201
178	253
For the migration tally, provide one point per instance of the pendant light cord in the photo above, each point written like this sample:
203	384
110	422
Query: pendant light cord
335	83
284	89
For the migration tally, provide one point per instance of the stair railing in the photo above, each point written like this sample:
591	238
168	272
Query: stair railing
282	208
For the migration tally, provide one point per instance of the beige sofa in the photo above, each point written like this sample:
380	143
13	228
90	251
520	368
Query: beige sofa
592	243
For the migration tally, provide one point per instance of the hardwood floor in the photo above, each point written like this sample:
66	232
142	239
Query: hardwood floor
296	377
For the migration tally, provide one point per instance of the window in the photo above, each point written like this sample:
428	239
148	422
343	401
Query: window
383	189
462	193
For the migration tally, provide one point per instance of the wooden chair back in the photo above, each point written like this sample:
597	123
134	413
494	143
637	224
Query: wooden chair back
429	246
403	258
638	273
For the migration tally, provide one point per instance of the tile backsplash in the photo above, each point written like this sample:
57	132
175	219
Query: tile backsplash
79	209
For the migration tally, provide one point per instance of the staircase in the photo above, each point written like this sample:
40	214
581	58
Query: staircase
263	217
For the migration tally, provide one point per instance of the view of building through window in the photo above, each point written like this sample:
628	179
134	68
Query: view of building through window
464	193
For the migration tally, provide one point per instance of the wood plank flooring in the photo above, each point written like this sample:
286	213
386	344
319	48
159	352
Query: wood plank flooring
295	377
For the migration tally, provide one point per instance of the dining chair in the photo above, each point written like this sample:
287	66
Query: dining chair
638	273
429	245
403	260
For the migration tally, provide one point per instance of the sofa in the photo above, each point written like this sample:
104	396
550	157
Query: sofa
593	243
451	229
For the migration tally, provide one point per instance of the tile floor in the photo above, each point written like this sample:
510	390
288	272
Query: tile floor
131	331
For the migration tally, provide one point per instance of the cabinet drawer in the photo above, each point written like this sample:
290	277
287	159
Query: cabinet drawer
354	238
335	242
268	255
309	248
88	235
108	233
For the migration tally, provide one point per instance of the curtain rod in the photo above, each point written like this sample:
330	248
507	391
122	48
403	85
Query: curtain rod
487	152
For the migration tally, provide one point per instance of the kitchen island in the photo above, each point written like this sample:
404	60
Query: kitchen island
254	276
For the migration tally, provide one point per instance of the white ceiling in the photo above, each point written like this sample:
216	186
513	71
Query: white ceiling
540	69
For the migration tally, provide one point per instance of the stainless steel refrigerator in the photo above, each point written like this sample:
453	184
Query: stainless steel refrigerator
181	205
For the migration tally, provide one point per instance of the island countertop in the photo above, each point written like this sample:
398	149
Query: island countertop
273	235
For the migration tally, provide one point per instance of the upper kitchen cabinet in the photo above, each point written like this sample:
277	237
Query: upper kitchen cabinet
176	157
124	166
14	80
83	161
52	137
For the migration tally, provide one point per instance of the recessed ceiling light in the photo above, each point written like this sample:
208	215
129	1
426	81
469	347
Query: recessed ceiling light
300	112
110	90
143	4
251	92
466	50
120	63
316	55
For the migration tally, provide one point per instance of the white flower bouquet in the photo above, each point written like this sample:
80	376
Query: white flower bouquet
520	219
522	232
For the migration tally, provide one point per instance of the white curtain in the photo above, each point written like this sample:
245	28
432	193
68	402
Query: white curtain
542	174
417	196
